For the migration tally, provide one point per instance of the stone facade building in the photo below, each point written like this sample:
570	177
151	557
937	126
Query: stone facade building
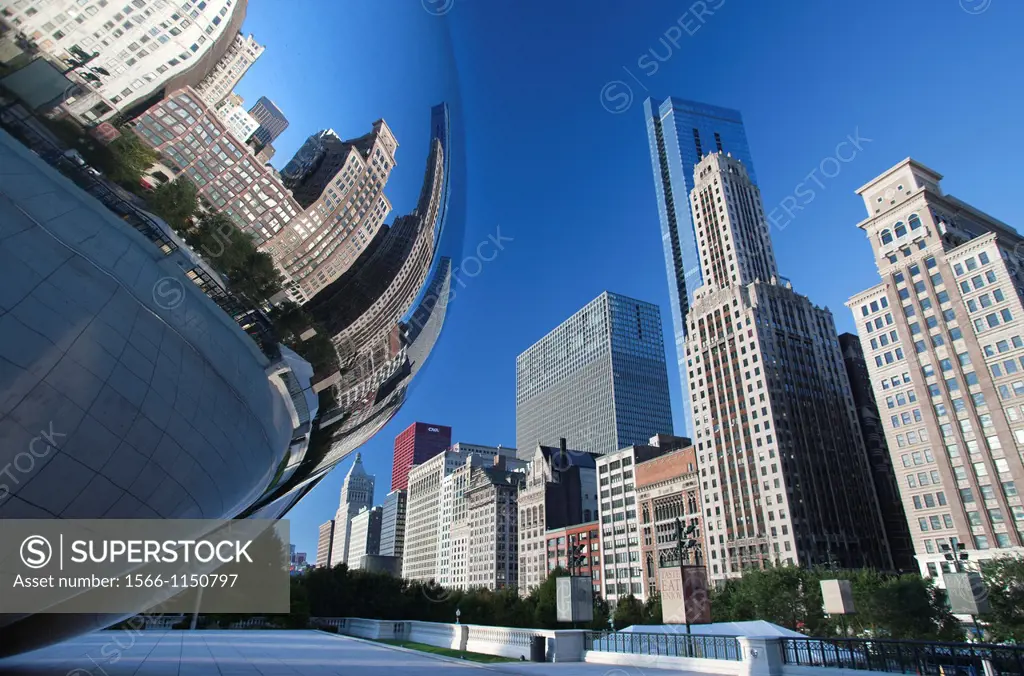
943	337
784	473
667	488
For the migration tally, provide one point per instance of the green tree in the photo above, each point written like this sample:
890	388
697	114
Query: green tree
175	202
256	278
652	610
126	159
249	272
601	614
1004	580
546	600
628	611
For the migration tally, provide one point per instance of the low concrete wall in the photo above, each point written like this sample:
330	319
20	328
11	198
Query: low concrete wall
692	664
559	645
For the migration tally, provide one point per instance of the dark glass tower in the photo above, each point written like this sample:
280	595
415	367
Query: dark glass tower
680	132
272	120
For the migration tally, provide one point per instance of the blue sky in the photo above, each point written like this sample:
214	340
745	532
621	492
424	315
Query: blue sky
570	182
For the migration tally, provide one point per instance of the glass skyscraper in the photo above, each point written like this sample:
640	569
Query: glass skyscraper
680	132
599	380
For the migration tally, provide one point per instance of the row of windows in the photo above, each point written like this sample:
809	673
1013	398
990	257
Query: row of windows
896	381
900	229
935	522
890	357
971	264
928	500
917	458
905	418
901	398
874	306
993	320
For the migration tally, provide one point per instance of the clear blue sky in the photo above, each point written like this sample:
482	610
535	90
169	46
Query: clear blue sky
571	182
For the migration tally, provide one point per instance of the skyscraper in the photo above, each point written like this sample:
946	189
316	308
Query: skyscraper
415	444
943	336
492	524
598	379
364	536
425	515
228	71
680	133
168	48
324	543
340	185
893	517
356	493
392	525
776	429
272	120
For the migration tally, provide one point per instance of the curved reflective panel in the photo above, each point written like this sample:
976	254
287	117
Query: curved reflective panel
167	386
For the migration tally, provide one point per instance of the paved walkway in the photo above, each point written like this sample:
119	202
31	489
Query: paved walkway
261	653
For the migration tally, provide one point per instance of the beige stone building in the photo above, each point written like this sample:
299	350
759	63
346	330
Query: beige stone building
783	470
943	337
493	526
668	488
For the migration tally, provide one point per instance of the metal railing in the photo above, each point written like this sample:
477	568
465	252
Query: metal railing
251	319
903	657
670	645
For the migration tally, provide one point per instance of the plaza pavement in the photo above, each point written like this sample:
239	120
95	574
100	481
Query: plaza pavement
262	653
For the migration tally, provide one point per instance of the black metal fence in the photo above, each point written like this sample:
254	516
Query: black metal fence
250	318
904	657
670	645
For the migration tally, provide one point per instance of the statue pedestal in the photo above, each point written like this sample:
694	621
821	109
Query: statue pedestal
684	594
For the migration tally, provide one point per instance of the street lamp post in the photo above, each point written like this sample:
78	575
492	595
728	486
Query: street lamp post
685	543
959	559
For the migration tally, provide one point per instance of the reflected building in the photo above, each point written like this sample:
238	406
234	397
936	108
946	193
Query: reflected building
340	185
373	382
179	412
272	121
170	49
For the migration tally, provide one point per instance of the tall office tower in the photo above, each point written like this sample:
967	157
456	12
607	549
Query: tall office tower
560	490
894	519
356	493
776	429
324	543
364	538
680	133
943	334
667	488
240	123
415	444
228	71
425	517
146	50
492	523
392	525
272	121
599	380
454	527
620	526
341	184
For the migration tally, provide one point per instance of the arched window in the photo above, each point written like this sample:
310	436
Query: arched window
900	229
886	237
914	221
